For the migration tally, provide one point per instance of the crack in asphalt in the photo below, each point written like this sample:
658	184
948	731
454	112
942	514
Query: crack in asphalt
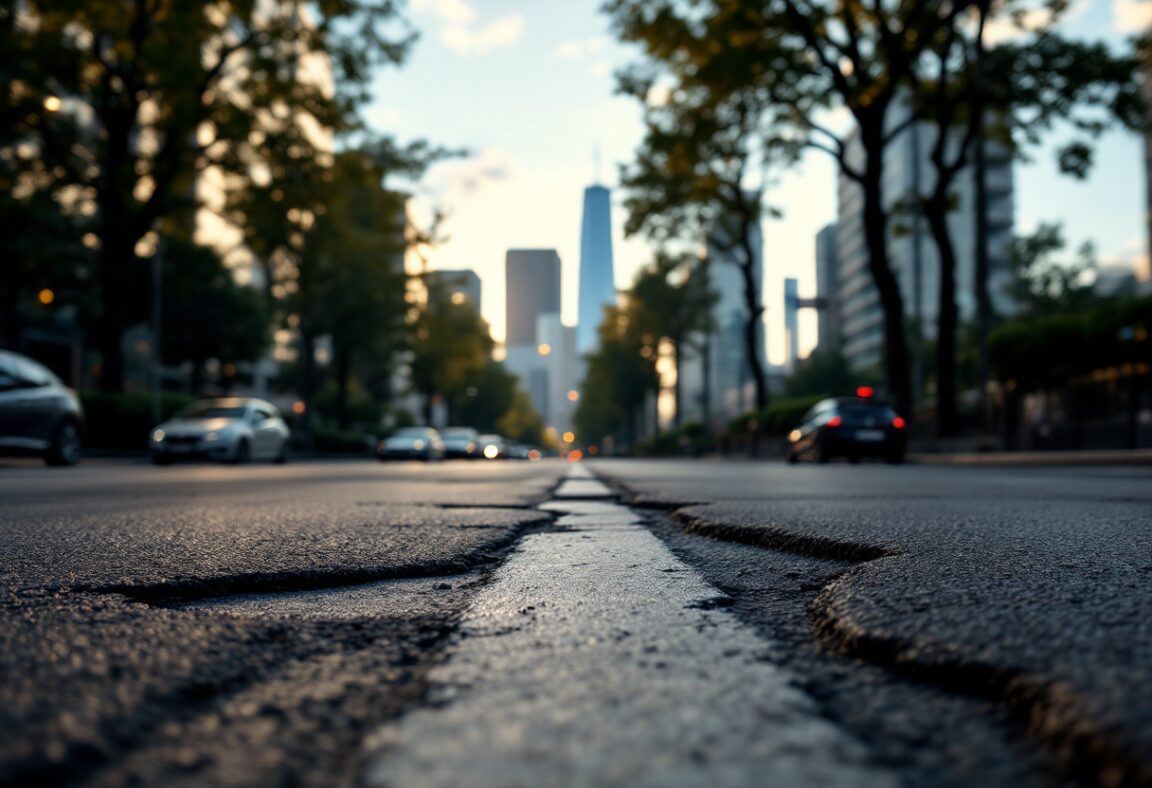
1051	712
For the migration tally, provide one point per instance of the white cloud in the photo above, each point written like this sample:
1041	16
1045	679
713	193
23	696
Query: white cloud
457	178
575	50
1131	16
601	70
460	31
450	12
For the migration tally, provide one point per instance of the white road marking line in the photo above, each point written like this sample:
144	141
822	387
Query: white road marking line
590	660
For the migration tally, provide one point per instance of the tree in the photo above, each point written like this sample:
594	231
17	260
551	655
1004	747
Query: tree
450	345
122	103
692	182
1042	285
621	373
1042	79
824	372
357	247
206	314
670	311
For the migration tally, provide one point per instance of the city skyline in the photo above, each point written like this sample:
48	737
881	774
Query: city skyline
523	185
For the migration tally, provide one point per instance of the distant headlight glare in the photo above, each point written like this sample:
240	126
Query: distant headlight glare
158	436
491	451
417	445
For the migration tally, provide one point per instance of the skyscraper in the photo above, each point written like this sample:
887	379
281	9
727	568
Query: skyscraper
462	285
597	286
532	280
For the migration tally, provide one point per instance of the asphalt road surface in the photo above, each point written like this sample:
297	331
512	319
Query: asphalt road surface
675	623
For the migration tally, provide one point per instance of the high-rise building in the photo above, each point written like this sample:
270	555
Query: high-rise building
912	255
463	285
597	286
716	382
532	279
827	281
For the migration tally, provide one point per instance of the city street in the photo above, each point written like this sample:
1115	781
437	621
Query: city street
602	623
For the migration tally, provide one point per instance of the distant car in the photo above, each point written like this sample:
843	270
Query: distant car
520	451
412	443
39	415
460	443
229	429
493	447
851	427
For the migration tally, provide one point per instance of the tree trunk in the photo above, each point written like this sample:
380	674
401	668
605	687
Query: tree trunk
115	255
677	389
752	321
936	211
876	237
343	371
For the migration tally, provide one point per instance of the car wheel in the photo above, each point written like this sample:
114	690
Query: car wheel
895	458
282	455
242	453
160	459
65	448
791	457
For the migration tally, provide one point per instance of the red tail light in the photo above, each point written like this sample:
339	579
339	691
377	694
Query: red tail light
835	421
898	423
865	392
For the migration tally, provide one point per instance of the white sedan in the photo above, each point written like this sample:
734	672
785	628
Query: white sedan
230	430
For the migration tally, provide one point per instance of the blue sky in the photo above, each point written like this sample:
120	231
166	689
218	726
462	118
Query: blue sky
527	87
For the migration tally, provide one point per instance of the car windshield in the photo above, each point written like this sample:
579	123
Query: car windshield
211	410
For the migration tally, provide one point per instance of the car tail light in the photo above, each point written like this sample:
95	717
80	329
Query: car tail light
835	421
865	392
898	423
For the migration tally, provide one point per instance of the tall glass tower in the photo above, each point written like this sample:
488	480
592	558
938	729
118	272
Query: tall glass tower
597	286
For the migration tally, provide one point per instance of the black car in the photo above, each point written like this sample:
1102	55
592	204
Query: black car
851	427
39	415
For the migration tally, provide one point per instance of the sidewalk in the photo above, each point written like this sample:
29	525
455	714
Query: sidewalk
1103	457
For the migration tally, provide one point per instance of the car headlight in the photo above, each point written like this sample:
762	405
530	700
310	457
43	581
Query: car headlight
491	451
158	436
417	445
211	437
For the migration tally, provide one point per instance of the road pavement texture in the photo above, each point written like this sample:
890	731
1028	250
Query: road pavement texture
110	675
596	657
484	623
997	621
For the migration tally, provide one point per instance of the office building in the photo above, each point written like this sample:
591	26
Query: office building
462	285
597	286
912	253
716	380
532	288
827	276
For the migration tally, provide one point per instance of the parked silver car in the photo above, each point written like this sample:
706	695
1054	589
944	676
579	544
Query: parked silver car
39	415
231	429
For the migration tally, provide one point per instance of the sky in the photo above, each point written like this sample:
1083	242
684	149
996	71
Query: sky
528	89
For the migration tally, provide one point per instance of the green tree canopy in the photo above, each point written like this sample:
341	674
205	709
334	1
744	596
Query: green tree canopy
620	375
206	315
113	107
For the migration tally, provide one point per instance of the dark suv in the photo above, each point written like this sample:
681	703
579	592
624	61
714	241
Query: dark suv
39	415
851	427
